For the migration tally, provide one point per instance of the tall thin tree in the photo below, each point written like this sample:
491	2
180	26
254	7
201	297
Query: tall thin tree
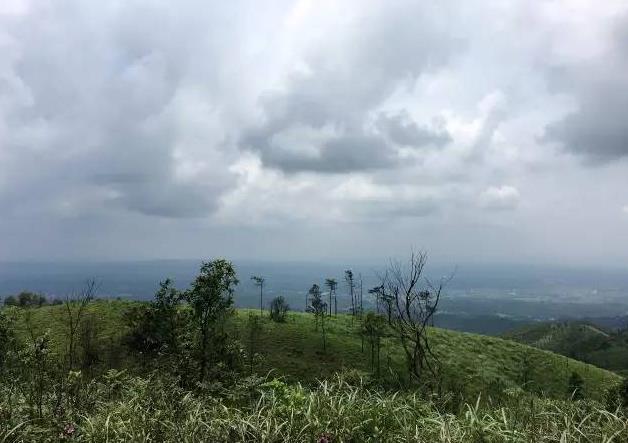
331	283
259	281
351	284
319	308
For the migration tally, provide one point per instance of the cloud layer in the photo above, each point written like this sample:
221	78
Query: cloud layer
148	129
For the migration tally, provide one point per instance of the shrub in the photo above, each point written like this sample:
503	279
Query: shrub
27	299
279	309
10	301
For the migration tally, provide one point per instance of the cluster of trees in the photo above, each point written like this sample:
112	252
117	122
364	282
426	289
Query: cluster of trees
406	303
27	299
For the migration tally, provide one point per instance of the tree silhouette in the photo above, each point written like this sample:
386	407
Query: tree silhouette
259	281
332	284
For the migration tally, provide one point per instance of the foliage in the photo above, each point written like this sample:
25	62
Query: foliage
469	362
319	308
374	328
156	328
154	408
279	309
580	340
211	299
26	299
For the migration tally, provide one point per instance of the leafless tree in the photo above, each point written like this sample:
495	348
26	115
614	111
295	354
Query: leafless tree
414	301
75	305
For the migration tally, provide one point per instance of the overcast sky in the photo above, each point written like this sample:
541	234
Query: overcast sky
476	130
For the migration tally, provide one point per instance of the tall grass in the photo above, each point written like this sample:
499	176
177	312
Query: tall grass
129	408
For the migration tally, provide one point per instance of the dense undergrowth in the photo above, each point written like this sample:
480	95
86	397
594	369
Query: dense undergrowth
126	408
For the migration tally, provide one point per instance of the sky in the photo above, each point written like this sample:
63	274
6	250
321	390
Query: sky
484	131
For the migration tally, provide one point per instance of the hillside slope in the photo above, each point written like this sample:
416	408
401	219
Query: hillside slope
579	340
469	362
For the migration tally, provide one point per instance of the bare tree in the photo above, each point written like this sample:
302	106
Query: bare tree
75	305
332	284
414	304
259	281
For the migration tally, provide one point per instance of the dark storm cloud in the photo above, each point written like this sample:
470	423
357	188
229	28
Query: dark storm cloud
597	129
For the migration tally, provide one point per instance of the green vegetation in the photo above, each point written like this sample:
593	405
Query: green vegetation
189	367
294	350
137	409
579	340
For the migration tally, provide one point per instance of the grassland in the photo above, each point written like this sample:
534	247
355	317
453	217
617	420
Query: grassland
294	350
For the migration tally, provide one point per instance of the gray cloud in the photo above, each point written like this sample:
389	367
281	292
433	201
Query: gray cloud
597	129
156	129
404	131
342	88
97	110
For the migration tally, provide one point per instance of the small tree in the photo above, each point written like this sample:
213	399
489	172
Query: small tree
211	299
278	309
75	306
332	284
259	281
318	307
373	327
383	300
414	306
155	328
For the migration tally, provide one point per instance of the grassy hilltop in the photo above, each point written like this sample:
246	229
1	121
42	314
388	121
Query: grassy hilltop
472	363
494	390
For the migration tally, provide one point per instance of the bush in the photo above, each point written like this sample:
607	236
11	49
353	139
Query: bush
617	396
26	299
279	309
10	301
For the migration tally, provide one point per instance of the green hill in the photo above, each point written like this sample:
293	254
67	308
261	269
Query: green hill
470	363
579	340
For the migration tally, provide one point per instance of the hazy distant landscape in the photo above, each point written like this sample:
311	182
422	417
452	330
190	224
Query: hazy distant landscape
487	299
